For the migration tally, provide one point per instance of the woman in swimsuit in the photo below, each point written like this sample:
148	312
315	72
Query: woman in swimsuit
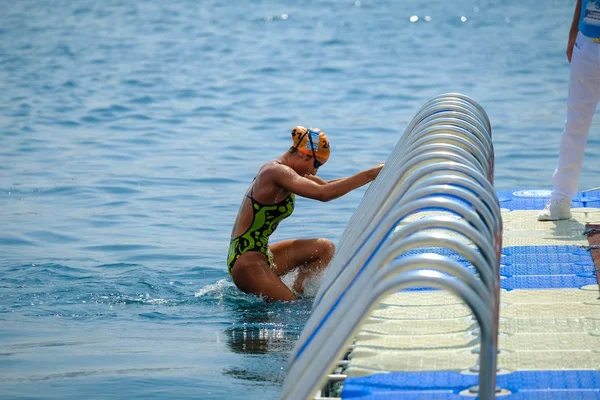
254	265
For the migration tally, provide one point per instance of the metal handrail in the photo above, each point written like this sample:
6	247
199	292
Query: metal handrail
376	196
365	250
446	106
392	201
455	226
458	99
438	110
440	148
400	274
439	239
381	199
463	121
455	118
423	189
482	258
482	140
446	138
385	197
443	162
490	201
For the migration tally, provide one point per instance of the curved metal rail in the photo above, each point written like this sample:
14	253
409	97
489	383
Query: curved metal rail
435	192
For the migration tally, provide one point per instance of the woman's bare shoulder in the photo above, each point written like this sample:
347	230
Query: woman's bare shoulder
274	169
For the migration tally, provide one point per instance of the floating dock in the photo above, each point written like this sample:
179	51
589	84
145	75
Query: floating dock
422	344
443	288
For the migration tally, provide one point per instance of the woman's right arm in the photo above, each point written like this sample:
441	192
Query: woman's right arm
319	180
301	186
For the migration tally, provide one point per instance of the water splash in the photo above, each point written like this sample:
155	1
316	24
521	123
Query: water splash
215	290
311	285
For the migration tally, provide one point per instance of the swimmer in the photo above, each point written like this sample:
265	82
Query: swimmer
254	265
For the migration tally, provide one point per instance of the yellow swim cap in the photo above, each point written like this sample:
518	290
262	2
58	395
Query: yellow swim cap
309	140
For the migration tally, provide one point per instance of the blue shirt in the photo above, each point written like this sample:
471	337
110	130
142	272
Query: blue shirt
589	21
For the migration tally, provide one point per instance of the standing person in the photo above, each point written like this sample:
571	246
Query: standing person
254	265
583	52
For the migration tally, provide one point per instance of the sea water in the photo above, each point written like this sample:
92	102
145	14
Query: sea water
130	131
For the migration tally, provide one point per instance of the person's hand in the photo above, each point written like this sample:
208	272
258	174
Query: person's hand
373	172
570	46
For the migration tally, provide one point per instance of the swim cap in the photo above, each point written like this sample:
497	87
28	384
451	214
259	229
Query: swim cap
302	142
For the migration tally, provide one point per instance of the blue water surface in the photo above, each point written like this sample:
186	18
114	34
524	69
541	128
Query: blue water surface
130	130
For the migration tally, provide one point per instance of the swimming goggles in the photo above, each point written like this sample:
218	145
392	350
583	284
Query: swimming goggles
316	162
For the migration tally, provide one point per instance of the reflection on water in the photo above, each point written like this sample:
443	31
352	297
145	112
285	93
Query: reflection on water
265	334
256	339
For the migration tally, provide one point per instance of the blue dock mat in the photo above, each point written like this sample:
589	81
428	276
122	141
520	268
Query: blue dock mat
547	282
537	199
540	255
536	267
534	282
445	385
546	267
545	250
581	269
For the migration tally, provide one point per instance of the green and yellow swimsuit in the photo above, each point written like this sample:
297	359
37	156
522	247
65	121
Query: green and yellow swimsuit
264	222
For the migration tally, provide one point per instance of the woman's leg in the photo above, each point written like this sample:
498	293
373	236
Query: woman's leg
582	99
310	255
251	274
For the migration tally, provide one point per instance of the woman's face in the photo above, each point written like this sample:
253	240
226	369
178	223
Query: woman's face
311	165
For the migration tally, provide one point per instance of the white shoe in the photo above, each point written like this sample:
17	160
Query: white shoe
556	209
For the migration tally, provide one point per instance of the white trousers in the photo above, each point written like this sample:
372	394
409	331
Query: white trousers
584	92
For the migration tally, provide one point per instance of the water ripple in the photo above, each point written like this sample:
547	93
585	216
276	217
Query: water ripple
119	247
52	237
10	240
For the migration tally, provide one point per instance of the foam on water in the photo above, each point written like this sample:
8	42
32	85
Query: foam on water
217	289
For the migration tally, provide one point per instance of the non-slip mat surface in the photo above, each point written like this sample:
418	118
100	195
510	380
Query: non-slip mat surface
538	267
527	199
577	384
521	228
539	329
